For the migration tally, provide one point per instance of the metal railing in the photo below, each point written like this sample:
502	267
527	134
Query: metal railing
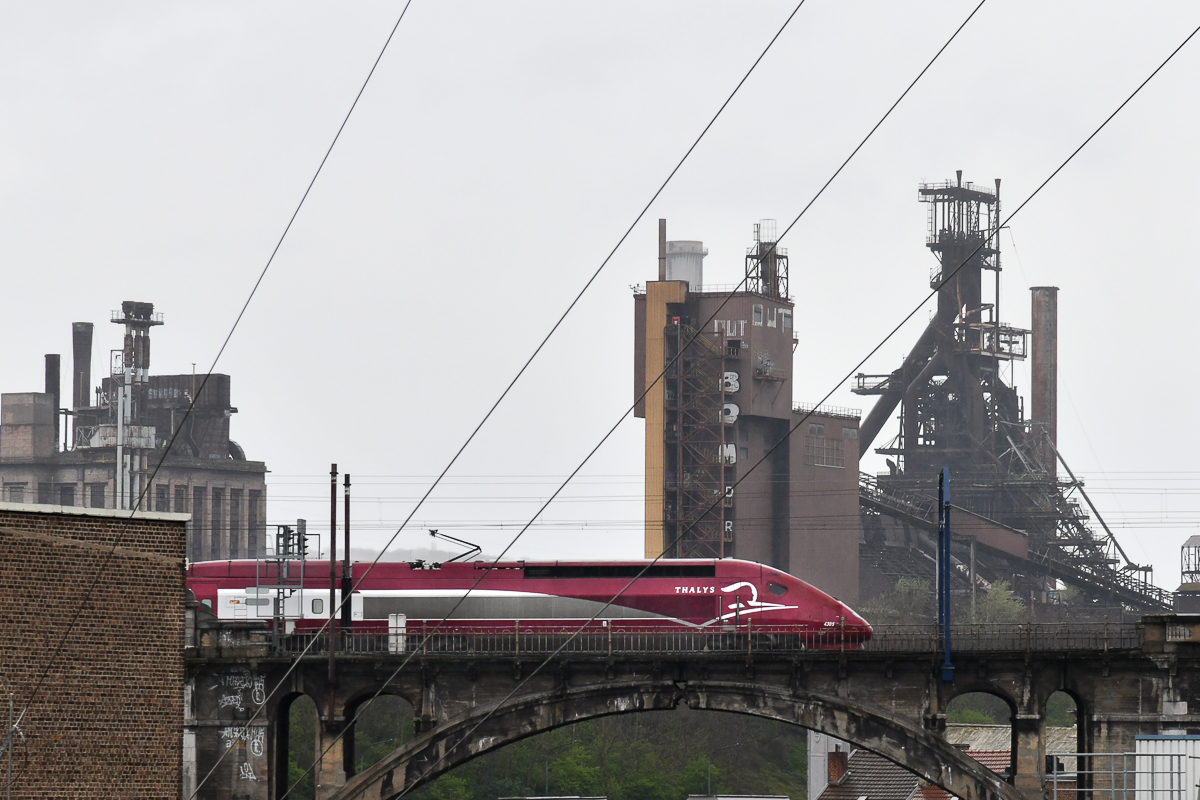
1117	776
748	640
1084	572
911	503
826	410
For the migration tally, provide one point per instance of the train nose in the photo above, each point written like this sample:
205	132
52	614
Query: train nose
854	622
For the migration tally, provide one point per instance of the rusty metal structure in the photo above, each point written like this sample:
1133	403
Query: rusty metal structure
696	464
959	408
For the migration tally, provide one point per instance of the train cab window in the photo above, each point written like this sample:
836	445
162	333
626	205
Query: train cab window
776	588
318	606
206	603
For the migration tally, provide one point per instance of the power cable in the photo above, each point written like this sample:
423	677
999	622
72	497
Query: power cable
192	405
649	387
945	279
544	341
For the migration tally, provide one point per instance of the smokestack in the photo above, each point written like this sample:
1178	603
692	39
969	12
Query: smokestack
81	377
1044	369
662	249
53	388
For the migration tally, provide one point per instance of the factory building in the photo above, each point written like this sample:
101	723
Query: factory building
735	468
713	379
108	447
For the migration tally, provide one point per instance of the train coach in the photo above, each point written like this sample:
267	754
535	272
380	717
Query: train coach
533	596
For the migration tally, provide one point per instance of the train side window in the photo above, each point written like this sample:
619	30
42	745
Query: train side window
776	588
318	606
206	603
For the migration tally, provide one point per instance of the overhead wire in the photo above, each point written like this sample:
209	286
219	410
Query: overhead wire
554	328
655	382
120	537
945	279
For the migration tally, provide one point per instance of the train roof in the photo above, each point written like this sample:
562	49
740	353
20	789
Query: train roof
666	568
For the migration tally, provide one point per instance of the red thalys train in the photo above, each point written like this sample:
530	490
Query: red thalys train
710	594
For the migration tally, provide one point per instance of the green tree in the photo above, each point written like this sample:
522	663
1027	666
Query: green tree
979	708
910	602
653	756
998	604
302	747
1060	710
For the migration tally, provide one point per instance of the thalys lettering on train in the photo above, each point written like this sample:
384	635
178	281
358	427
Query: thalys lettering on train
685	594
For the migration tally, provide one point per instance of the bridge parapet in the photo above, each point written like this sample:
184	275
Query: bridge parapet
1040	638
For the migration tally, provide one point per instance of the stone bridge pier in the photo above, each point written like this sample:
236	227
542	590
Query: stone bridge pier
472	694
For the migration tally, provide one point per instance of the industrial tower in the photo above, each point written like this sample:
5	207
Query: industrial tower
715	367
960	409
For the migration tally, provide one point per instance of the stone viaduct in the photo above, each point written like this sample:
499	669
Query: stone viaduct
1126	679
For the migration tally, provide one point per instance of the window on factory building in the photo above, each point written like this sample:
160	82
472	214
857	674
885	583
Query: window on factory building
66	494
816	428
758	314
180	500
733	348
786	316
14	492
218	504
235	523
743	435
744	453
96	495
45	494
822	452
253	517
199	495
849	433
162	497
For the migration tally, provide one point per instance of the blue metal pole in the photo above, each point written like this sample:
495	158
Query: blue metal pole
940	581
944	568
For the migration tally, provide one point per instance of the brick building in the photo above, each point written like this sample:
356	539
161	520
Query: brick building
108	718
107	447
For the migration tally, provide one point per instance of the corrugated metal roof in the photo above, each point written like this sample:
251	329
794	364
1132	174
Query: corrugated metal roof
999	737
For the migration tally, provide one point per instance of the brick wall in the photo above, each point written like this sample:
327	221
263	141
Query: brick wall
108	719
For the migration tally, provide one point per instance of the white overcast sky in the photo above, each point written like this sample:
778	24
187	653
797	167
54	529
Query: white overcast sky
155	152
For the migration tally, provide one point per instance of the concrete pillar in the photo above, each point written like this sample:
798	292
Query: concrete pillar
331	772
1043	364
1029	736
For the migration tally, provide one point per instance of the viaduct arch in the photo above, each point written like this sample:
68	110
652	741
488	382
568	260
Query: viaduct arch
434	752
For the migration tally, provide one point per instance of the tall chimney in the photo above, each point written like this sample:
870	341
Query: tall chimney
1044	370
81	371
662	249
53	388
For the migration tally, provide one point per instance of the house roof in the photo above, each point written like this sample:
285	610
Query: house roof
872	777
996	760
